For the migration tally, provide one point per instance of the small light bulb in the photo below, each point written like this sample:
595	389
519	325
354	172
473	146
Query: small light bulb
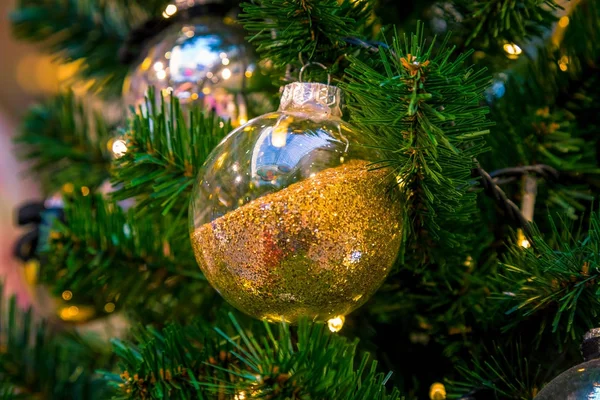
119	148
109	307
85	190
226	74
225	61
170	11
525	243
240	396
336	324
512	50
67	295
563	22
437	391
161	74
158	66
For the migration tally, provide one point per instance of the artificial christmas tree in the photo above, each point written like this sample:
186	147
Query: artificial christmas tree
479	258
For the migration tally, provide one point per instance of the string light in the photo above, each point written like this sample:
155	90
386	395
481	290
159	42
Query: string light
85	190
563	63
563	22
161	74
67	295
512	50
158	66
336	324
437	391
109	307
119	148
226	74
169	11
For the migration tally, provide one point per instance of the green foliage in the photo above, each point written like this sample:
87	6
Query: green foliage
556	279
38	362
502	21
199	363
65	143
503	372
88	31
422	109
164	154
121	258
284	30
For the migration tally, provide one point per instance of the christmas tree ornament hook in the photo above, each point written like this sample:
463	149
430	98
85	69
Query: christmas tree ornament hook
318	64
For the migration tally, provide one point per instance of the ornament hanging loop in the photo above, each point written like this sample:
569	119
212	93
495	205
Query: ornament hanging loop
318	64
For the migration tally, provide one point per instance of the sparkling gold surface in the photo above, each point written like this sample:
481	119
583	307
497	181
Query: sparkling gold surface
318	248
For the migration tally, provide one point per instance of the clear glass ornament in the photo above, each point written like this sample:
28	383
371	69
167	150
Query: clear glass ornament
289	217
581	382
205	61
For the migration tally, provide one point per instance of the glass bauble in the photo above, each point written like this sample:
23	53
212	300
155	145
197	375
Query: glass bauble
581	382
203	62
290	217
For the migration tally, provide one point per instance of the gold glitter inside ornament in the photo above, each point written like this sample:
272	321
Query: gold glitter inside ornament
290	218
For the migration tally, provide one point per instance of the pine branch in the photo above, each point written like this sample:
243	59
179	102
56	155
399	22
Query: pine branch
107	255
503	373
164	155
197	363
282	30
554	99
38	362
555	281
423	111
65	143
501	21
90	31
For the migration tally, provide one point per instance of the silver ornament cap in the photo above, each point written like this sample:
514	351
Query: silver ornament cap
312	97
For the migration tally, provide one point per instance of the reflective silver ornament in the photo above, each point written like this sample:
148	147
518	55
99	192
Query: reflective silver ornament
205	62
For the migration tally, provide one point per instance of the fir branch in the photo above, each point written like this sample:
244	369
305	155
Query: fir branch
423	111
121	258
65	143
198	363
315	29
164	155
502	21
90	31
36	361
557	281
502	373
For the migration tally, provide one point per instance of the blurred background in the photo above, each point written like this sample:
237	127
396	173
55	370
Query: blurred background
26	75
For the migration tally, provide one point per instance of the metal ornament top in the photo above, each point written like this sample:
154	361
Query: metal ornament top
312	97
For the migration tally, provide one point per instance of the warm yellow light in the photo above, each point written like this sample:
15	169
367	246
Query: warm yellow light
109	307
279	135
221	124
525	243
170	11
336	324
158	66
248	74
563	67
85	190
161	74
190	33
145	66
563	22
512	50
242	120
225	61
68	188
119	148
168	55
240	396
226	73
67	295
581	370
206	90
437	391
194	96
